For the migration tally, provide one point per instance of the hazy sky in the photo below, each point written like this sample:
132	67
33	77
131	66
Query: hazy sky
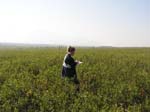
76	22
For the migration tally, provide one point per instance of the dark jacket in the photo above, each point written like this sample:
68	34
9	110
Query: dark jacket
69	67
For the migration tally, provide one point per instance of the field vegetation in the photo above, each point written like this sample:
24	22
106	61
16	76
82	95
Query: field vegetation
111	80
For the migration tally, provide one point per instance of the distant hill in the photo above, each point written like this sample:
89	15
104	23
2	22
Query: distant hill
8	45
25	45
14	45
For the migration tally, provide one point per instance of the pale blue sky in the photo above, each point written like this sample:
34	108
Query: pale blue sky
76	22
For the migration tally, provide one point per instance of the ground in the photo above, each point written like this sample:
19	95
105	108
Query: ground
111	80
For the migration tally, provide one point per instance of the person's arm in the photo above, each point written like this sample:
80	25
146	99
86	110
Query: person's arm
69	60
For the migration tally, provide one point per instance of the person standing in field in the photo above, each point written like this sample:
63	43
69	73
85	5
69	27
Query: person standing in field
69	66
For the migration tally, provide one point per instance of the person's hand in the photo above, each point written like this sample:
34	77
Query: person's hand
77	61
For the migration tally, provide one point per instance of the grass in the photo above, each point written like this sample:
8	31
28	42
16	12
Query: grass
111	80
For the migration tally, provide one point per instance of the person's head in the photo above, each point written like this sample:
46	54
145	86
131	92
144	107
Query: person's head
71	50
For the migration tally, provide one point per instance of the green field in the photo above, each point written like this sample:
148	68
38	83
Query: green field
111	80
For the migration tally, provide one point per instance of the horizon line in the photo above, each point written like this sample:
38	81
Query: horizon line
64	45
